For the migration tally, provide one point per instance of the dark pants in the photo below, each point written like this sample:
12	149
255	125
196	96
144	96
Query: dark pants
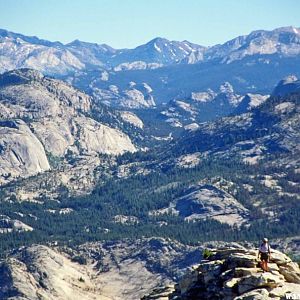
264	256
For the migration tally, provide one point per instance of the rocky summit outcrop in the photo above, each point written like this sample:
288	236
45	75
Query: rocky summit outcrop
234	273
290	84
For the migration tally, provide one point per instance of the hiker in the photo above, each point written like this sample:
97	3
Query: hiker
264	253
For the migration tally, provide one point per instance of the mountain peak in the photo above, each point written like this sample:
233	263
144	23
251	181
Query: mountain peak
287	85
76	43
291	29
158	40
29	39
20	76
284	29
158	43
226	88
290	78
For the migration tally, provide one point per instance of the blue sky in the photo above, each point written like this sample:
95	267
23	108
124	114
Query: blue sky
129	23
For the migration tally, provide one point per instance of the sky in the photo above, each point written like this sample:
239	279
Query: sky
129	23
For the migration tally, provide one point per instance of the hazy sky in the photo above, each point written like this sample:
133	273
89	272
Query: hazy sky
128	23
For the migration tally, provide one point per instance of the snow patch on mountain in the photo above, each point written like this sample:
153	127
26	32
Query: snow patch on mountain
157	48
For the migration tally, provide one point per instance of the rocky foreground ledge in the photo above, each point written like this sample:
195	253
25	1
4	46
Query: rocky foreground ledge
234	273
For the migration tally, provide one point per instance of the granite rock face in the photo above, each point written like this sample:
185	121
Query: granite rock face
21	153
134	96
206	201
42	273
8	225
40	116
234	273
107	271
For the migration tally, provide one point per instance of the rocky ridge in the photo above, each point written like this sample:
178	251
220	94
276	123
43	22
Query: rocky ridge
289	84
21	51
269	127
8	225
283	41
209	105
134	96
128	269
233	273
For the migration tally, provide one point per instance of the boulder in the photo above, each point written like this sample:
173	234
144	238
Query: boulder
291	272
232	283
226	275
279	292
241	272
259	280
258	294
161	293
236	276
279	258
273	267
243	260
229	290
188	281
224	253
210	270
293	288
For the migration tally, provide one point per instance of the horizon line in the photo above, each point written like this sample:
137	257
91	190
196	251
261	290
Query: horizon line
157	37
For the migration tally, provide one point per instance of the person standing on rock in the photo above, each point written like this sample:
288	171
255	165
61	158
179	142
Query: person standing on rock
264	253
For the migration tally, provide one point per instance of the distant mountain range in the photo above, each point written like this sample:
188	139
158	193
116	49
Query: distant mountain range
18	51
173	70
